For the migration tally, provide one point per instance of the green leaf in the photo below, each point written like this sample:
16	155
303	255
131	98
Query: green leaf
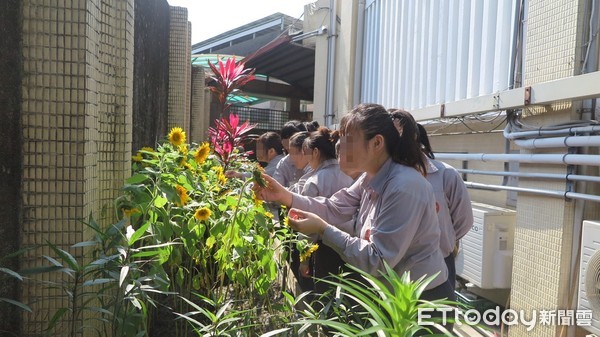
68	258
59	313
40	270
97	281
17	303
11	273
146	253
138	233
124	272
84	244
137	178
160	202
210	242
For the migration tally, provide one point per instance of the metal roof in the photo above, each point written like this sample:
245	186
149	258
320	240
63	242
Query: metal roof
272	24
287	61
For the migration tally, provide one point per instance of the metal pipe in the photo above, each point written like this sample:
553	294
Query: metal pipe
557	132
555	176
329	114
568	159
358	54
556	142
550	193
322	30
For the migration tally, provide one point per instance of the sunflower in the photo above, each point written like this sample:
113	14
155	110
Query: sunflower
257	202
138	157
220	176
269	215
130	211
183	195
202	214
202	153
183	149
177	136
306	254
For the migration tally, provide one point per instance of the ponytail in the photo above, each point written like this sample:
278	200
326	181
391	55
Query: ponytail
408	151
397	127
324	140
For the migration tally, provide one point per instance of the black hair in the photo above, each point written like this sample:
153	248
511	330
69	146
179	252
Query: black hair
398	129
311	126
424	140
324	140
291	127
297	139
271	140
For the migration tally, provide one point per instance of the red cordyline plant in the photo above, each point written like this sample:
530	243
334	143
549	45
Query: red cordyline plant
228	134
228	79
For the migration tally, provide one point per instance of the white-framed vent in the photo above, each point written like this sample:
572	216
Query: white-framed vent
589	274
485	257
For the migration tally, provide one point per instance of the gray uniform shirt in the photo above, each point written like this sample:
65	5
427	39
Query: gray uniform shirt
272	165
286	173
397	222
325	181
455	214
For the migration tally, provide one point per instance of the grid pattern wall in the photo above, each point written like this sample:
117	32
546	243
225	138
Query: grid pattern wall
74	77
544	225
422	53
188	80
179	63
198	124
113	74
266	119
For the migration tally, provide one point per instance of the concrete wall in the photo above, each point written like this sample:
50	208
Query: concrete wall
313	20
10	158
543	238
151	72
77	79
200	117
179	70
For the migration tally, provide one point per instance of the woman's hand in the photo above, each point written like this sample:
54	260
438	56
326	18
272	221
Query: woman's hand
306	222
273	191
233	174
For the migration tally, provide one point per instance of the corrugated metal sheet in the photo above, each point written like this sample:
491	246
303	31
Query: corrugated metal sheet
422	53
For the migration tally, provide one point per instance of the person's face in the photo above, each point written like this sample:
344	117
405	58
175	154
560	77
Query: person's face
315	158
286	144
353	152
261	153
299	159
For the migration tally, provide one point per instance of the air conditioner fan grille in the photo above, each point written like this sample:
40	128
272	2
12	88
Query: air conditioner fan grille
592	283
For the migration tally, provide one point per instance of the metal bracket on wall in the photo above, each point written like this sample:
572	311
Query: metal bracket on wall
571	169
527	98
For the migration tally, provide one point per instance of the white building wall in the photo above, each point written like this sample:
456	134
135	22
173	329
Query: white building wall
422	53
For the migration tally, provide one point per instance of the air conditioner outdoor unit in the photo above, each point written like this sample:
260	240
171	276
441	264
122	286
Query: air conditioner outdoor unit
485	257
589	275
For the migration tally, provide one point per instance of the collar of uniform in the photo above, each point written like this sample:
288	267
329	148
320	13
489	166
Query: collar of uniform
431	168
377	183
327	163
275	160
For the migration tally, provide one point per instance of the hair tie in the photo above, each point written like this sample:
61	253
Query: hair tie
398	126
